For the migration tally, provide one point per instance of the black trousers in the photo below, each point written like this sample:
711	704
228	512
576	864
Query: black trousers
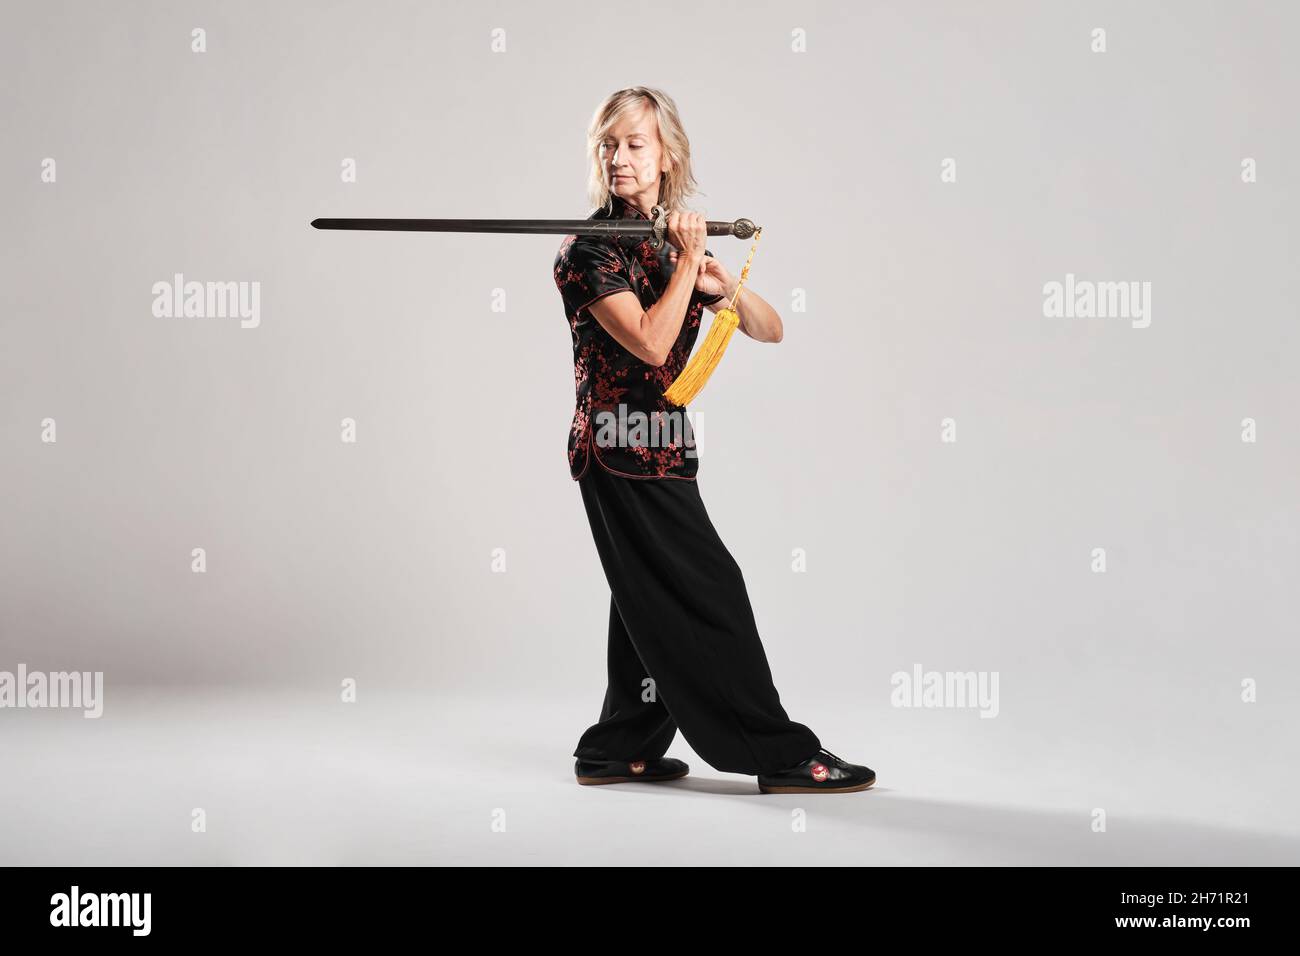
684	651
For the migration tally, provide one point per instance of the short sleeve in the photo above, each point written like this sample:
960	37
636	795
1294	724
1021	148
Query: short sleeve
710	299
587	271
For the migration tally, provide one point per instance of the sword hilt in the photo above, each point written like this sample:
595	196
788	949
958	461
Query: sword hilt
741	228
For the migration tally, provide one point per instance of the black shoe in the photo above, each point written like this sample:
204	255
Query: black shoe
821	773
623	771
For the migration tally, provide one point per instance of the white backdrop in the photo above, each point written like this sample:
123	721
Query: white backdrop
930	472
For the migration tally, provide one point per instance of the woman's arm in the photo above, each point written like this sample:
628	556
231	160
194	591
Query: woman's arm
758	319
649	334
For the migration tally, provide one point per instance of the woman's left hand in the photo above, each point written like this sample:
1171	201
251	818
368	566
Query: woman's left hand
713	278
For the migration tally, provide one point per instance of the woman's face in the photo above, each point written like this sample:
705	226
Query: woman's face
631	157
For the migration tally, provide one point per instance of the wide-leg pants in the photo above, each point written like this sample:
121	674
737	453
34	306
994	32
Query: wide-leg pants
684	651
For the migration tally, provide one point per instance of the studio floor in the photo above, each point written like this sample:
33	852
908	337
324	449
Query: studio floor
411	778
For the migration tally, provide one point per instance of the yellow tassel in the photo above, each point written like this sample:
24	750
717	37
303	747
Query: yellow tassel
705	359
709	354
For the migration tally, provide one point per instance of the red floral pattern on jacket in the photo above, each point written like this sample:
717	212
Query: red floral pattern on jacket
606	375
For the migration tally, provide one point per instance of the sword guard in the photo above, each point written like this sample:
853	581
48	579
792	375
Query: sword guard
659	227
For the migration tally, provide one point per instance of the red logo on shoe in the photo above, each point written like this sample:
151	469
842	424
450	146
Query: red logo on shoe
637	766
819	772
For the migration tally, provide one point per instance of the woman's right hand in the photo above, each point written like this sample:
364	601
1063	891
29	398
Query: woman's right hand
686	232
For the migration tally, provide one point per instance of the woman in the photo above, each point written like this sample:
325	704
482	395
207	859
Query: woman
684	652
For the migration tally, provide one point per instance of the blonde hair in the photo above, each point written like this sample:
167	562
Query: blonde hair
675	185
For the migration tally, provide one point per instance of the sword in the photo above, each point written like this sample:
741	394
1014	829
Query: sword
655	228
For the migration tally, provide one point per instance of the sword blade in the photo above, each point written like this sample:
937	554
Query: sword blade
562	227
